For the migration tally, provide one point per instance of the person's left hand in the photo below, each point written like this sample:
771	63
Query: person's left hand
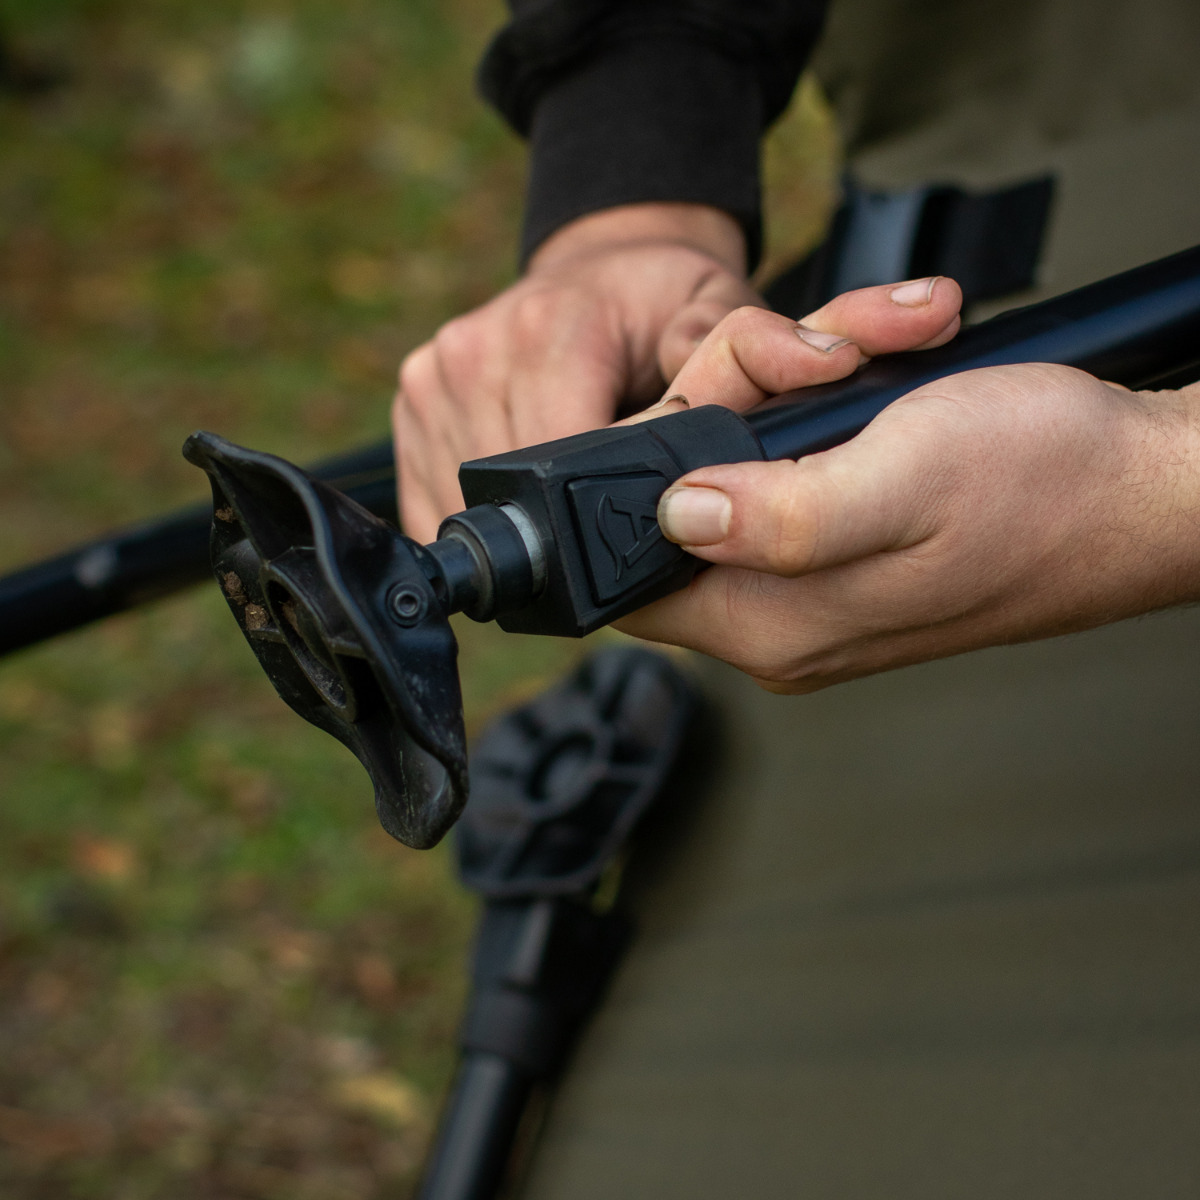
993	506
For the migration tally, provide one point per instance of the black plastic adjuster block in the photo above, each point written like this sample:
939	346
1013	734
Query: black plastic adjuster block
593	498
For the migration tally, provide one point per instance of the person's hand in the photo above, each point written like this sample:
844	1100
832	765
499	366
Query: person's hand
993	506
610	307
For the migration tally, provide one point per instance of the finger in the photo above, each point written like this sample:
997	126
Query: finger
715	298
788	635
749	355
465	403
753	353
673	402
413	500
915	315
426	468
434	492
791	518
787	643
796	635
426	456
419	518
737	616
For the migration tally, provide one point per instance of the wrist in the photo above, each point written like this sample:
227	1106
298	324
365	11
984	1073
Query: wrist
695	226
1171	456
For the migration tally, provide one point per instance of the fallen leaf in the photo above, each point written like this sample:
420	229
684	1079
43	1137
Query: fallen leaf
103	858
384	1095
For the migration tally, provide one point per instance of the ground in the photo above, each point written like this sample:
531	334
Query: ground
219	979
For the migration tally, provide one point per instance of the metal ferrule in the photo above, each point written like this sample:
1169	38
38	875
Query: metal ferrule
502	565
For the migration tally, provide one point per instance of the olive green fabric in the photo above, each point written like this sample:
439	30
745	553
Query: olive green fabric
937	934
1104	94
938	940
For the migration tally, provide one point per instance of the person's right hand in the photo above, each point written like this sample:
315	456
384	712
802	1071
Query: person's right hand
990	507
611	306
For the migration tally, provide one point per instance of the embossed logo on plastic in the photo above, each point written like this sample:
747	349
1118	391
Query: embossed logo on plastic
618	531
629	528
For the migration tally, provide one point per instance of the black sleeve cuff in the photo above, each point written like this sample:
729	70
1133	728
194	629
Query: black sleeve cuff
649	120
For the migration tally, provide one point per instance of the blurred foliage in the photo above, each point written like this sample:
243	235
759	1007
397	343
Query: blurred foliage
218	977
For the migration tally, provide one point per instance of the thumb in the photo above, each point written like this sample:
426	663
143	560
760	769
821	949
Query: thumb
789	518
716	297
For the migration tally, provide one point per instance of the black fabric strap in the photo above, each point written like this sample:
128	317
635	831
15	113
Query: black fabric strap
990	242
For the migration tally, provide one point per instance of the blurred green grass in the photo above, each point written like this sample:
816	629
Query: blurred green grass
218	977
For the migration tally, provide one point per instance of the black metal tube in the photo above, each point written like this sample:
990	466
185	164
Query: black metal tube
475	1136
145	562
1140	329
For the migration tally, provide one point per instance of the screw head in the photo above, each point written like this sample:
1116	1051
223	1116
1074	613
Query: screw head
406	605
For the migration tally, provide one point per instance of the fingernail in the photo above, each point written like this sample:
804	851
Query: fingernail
915	294
674	397
827	343
694	516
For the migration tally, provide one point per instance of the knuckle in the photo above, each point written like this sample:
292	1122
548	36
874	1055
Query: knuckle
742	338
406	417
416	371
747	319
730	325
400	415
536	310
458	340
749	314
790	528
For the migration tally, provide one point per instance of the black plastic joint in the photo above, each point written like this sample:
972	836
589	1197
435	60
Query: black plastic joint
593	498
525	1029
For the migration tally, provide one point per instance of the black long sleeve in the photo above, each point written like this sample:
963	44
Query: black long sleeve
627	101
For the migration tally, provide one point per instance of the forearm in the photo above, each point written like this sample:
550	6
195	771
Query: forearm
1163	502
